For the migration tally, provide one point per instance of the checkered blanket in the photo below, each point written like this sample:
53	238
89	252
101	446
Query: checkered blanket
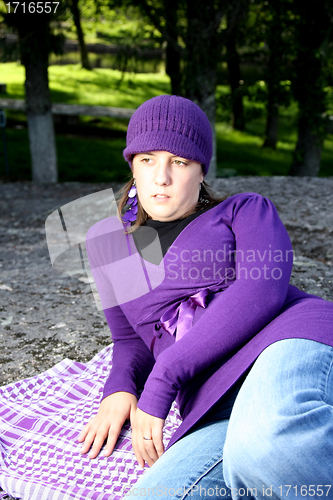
40	420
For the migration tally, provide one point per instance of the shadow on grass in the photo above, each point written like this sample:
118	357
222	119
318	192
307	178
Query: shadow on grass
243	152
79	158
104	87
91	161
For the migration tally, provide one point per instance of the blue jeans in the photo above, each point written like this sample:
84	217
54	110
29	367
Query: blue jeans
277	444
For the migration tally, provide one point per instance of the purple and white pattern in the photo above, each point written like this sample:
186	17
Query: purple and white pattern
40	420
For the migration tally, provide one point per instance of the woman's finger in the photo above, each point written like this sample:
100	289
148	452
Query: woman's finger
95	440
147	437
158	442
147	452
146	449
154	446
84	432
135	445
89	439
150	449
97	444
112	439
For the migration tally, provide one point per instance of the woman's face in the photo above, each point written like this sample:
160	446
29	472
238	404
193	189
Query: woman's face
167	185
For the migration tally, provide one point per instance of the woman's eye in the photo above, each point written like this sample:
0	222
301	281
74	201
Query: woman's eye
180	162
146	160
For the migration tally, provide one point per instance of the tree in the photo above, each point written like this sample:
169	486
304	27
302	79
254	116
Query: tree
234	38
280	51
173	51
165	16
195	36
314	28
74	8
205	41
36	41
265	36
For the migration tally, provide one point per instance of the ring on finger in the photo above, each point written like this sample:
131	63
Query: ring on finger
147	439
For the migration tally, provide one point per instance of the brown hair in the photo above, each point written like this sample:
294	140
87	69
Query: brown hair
207	198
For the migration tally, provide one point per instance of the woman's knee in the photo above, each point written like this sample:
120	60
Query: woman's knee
254	448
282	414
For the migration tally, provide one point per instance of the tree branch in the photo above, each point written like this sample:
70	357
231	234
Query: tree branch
154	15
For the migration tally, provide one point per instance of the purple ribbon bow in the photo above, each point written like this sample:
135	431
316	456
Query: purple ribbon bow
178	318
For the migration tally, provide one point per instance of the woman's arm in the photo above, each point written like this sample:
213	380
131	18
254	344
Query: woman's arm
131	363
239	312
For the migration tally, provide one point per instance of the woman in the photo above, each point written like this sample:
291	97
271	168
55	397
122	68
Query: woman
218	327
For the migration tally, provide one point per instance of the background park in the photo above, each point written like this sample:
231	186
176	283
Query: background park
261	70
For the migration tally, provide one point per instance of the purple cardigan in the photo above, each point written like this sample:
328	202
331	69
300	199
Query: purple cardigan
240	253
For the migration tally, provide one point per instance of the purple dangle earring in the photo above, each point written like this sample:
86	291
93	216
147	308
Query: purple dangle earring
201	198
130	210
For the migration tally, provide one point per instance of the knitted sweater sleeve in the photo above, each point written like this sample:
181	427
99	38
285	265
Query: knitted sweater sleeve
132	361
239	312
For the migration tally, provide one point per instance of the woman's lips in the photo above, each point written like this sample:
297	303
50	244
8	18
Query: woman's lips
160	196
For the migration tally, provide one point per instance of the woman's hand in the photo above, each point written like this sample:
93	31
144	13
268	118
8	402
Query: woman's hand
145	425
107	424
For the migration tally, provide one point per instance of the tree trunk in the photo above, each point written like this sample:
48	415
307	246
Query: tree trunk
307	154
238	122
272	126
42	148
77	21
308	86
208	105
206	100
34	44
172	69
275	72
203	47
172	63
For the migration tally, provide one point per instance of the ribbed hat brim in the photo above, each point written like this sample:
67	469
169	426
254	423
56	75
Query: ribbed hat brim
173	142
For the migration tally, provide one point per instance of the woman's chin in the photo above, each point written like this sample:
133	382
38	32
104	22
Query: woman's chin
160	213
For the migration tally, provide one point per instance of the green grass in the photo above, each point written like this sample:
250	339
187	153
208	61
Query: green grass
243	151
101	87
83	156
91	161
79	158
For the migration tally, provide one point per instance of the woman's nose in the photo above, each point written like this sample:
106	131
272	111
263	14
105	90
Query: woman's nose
162	173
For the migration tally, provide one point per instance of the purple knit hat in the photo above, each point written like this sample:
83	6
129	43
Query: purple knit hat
170	123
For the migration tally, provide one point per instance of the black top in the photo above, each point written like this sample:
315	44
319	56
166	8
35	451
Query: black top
167	231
